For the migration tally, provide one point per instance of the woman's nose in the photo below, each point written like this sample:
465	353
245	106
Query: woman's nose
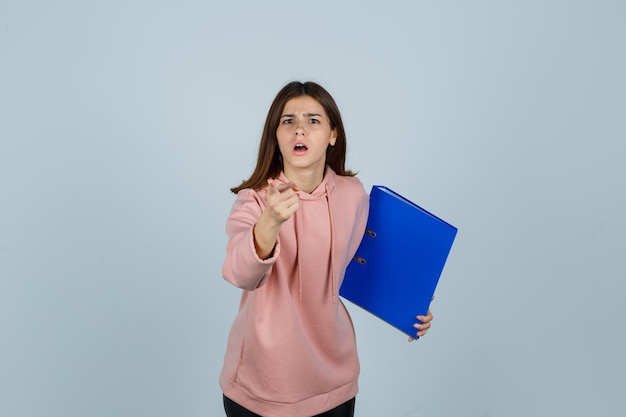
300	129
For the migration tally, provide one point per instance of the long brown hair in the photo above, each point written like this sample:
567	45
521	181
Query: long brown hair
269	161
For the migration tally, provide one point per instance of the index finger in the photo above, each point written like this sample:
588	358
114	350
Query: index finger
286	186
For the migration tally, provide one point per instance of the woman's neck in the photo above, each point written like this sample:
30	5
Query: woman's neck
306	181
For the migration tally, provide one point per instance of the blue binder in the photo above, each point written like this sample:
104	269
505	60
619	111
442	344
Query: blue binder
398	264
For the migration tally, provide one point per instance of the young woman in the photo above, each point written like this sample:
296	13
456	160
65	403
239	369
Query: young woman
293	229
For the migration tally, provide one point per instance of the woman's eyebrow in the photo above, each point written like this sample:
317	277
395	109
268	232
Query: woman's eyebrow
312	115
304	114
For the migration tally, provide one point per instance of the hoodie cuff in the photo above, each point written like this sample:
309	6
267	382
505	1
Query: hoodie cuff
265	263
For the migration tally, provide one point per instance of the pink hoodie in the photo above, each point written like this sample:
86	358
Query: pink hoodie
292	350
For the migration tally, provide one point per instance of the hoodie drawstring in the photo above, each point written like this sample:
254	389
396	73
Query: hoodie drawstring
298	263
333	279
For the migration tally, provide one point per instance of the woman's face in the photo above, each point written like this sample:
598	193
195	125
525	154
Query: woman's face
303	135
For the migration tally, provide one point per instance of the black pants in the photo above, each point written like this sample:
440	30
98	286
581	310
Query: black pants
235	410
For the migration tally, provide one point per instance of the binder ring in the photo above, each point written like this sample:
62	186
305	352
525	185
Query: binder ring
359	259
370	232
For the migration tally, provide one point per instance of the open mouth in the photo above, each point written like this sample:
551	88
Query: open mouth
300	147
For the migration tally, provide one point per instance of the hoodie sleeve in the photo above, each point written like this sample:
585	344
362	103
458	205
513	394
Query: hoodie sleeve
242	266
360	222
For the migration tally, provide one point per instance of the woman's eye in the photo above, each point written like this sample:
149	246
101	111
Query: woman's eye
287	121
314	121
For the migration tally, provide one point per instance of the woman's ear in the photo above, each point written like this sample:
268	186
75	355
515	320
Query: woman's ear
333	137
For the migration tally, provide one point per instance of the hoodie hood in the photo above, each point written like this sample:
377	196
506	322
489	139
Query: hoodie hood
323	193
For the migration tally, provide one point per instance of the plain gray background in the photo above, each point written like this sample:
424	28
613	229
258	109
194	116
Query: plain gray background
124	123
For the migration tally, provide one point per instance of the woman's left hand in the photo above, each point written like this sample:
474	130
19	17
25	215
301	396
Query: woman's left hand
423	327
